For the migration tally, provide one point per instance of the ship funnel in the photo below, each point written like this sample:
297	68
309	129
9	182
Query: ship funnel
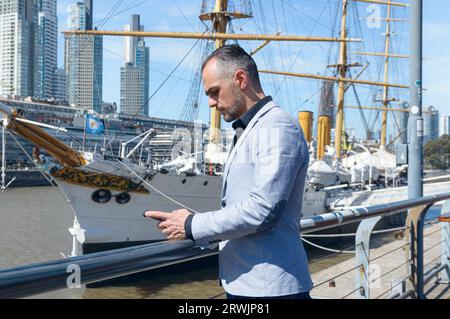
305	118
323	134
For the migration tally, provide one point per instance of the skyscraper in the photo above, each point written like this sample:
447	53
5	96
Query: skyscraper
131	42
130	92
444	125
20	48
60	85
430	124
48	33
84	60
134	76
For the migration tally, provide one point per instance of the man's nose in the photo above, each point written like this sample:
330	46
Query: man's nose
212	102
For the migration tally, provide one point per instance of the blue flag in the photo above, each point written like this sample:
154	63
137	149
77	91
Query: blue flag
93	125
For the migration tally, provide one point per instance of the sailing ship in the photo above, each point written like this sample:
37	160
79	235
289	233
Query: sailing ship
109	194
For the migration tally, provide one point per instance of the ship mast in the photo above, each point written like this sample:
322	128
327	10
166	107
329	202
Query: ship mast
342	71
386	55
219	19
219	16
386	70
342	68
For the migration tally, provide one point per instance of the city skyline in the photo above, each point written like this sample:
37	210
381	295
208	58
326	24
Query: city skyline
183	16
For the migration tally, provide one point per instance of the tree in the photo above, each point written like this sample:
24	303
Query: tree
437	153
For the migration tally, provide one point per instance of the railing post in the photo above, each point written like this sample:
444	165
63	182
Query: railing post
445	245
414	234
362	250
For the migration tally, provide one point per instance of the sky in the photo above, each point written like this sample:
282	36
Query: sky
300	17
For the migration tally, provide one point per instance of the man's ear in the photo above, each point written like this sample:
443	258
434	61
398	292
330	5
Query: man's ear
241	79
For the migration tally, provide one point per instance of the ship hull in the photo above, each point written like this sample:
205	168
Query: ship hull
103	226
114	223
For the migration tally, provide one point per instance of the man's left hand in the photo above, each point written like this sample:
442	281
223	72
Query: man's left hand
171	224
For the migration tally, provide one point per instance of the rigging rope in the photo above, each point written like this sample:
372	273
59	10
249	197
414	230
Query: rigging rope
328	249
109	15
156	189
167	78
49	179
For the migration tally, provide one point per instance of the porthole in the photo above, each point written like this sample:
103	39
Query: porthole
101	196
123	198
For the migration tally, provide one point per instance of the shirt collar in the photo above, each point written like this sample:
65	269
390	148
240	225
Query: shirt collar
245	119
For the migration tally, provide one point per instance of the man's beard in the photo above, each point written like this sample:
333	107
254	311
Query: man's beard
233	113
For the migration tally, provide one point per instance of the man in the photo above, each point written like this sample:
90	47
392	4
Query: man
260	250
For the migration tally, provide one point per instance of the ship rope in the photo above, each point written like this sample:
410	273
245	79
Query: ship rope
48	178
354	234
156	189
328	249
190	110
109	15
167	77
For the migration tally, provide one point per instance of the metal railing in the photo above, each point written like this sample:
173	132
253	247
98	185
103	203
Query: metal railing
72	272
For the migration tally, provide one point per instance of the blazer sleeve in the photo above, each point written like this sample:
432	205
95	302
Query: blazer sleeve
281	152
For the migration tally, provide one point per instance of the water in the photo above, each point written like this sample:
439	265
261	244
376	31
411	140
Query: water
34	228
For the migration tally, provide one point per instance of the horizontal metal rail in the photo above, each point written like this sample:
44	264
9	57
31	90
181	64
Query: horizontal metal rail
434	273
343	217
409	293
52	275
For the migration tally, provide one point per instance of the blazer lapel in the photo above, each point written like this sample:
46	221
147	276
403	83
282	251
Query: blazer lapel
250	126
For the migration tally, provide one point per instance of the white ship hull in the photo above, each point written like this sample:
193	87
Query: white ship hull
387	195
110	224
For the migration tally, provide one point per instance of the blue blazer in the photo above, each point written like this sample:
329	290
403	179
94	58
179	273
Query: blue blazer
258	228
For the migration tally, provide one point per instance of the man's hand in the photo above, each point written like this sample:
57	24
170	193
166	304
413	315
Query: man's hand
171	224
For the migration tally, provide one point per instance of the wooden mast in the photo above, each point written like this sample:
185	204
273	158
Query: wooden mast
342	70
386	70
219	22
209	36
335	79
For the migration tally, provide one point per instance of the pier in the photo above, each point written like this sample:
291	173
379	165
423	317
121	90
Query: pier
414	266
388	270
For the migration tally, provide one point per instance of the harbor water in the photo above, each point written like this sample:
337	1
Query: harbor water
34	228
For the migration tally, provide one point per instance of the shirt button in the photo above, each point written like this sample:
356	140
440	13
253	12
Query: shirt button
224	203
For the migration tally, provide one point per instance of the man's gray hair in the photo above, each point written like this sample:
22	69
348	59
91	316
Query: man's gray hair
232	58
